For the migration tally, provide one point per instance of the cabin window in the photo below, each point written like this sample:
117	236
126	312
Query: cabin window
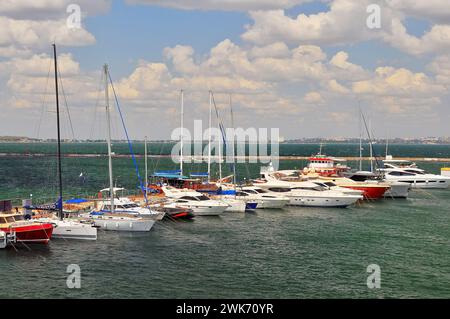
189	198
280	190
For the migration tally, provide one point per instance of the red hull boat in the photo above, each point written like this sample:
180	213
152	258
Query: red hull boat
375	192
28	232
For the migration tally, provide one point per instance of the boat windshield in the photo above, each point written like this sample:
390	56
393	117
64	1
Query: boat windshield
130	205
7	220
251	191
241	194
203	197
401	173
414	171
330	184
260	190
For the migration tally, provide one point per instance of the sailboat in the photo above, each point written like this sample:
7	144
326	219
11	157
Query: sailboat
108	218
64	228
228	191
396	189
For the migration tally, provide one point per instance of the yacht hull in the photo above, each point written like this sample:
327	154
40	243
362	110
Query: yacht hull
198	210
398	190
78	231
430	184
129	225
311	201
208	212
271	203
32	234
369	192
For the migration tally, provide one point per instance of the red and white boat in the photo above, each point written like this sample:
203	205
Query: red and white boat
331	169
26	231
326	166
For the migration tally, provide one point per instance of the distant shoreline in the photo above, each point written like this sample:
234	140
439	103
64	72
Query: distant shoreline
304	141
204	159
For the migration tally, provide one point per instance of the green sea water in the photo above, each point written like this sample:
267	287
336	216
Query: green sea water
289	253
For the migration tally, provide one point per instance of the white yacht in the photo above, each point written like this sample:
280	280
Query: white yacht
417	178
310	194
123	205
407	172
200	204
262	197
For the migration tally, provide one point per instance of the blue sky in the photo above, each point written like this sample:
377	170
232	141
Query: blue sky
132	32
128	33
304	74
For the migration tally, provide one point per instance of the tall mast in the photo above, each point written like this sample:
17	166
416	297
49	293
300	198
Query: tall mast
108	118
146	168
220	151
181	134
371	146
387	145
60	201
209	136
234	155
360	143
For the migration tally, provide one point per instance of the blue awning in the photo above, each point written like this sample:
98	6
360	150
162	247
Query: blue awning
200	175
175	172
171	176
76	201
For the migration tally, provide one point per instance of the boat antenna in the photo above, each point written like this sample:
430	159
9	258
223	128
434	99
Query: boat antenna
60	201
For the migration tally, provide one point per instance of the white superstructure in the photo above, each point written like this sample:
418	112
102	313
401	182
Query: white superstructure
200	204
